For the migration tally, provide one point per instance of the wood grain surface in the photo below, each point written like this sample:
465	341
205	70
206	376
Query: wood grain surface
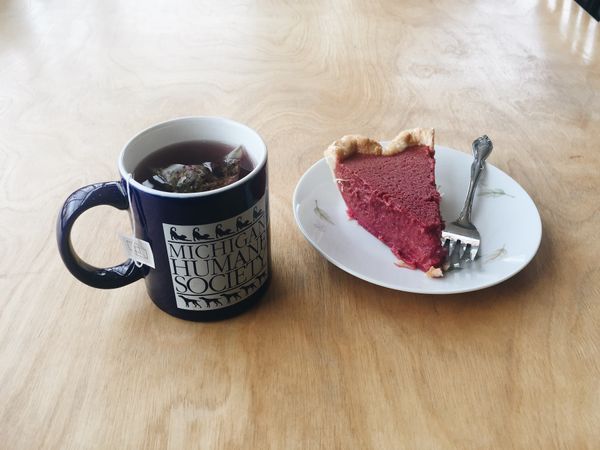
325	360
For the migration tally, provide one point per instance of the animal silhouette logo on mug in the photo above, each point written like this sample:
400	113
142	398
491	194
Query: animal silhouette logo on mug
218	264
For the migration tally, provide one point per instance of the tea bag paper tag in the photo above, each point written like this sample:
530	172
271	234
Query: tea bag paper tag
138	250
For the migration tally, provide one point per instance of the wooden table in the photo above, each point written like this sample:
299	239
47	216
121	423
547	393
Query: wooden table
326	360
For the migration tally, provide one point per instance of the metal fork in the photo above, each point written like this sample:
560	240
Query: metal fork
461	238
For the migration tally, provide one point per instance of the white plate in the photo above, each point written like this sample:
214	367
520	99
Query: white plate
505	215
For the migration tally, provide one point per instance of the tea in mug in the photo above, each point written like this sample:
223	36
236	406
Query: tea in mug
193	166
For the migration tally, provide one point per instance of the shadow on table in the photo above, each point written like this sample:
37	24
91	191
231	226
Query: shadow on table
533	285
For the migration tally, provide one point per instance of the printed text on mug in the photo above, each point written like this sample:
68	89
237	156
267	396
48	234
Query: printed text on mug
216	265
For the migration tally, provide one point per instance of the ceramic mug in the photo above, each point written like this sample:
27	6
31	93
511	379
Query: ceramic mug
211	249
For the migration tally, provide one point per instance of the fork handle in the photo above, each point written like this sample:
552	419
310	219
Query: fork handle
481	150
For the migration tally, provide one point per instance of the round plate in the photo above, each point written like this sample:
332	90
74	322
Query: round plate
503	212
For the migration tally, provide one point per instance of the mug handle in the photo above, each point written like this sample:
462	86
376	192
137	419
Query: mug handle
110	193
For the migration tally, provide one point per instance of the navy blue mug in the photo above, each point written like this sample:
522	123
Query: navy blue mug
211	249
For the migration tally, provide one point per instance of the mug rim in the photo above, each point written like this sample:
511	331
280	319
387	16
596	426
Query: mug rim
132	182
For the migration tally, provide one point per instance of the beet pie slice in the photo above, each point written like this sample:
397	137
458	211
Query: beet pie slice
391	192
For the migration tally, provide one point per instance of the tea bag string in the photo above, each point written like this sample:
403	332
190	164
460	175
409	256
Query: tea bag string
131	219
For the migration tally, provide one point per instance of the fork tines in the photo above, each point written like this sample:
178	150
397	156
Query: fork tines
461	249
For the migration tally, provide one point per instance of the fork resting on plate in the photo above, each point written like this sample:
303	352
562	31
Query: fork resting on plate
461	238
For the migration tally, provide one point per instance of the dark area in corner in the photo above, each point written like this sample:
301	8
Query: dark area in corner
591	6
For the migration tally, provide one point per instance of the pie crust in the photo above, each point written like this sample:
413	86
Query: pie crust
354	143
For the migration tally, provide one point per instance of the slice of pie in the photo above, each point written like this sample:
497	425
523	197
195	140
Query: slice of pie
391	192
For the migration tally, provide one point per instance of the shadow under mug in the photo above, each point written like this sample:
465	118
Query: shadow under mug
211	249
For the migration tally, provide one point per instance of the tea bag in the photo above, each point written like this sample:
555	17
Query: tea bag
185	178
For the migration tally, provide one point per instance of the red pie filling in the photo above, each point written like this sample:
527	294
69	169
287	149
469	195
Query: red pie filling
396	200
